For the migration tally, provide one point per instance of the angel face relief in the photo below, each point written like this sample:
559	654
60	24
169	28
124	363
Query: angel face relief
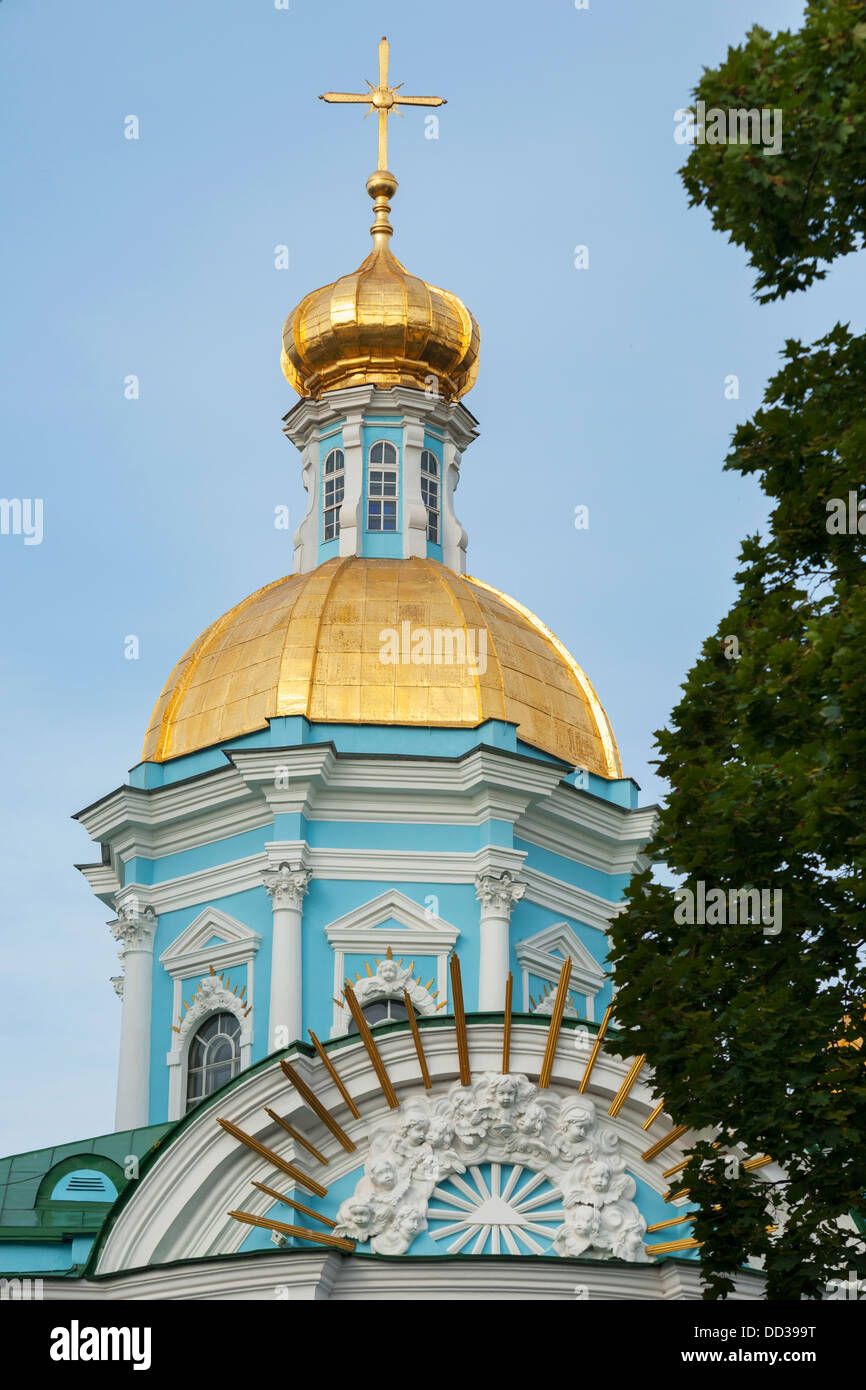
504	1160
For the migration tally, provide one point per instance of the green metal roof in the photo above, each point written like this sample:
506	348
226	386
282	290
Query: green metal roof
26	1181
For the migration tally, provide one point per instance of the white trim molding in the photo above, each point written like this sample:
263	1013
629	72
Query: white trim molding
361	930
211	997
543	954
190	955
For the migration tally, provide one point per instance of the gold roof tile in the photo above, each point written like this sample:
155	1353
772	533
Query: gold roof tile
310	644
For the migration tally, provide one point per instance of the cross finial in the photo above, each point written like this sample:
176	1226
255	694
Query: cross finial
384	100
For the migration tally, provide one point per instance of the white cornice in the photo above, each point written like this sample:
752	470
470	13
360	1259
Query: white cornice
309	416
307	1275
592	831
396	866
557	896
326	786
362	865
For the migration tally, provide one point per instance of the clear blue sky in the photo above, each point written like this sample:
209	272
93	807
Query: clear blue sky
156	257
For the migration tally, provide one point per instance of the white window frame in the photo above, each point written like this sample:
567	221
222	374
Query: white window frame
434	478
338	476
383	468
189	956
542	955
222	1008
362	932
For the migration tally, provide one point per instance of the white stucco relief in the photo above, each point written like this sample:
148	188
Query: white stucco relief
498	1119
389	982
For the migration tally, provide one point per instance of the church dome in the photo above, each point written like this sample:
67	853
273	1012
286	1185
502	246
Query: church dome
380	326
312	644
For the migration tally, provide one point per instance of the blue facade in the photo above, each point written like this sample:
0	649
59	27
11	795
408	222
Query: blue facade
330	899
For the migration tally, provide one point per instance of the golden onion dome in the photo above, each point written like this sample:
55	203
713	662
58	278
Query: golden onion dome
380	325
311	644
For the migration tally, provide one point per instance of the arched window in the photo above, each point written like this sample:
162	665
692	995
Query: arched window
214	1057
382	487
430	492
381	1011
332	493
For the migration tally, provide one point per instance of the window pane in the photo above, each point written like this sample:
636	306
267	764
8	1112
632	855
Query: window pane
374	1013
214	1056
218	1076
222	1050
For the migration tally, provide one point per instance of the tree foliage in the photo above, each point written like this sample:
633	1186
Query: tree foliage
797	210
755	1036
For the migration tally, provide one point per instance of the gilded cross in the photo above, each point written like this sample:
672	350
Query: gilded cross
382	99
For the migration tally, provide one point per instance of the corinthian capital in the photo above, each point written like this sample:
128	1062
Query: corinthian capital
286	886
498	892
134	928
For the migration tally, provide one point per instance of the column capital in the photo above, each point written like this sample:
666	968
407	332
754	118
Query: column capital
134	928
287	885
498	893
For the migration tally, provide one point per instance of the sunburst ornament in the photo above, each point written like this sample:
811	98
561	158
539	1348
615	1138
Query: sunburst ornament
209	988
466	1166
506	1208
391	980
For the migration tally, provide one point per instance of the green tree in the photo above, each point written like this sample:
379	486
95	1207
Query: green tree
755	1033
797	210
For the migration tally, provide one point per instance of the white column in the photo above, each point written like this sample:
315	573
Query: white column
352	519
454	538
286	887
306	538
135	930
414	511
497	894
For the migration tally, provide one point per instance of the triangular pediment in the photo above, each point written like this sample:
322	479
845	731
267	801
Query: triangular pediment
391	911
212	938
548	948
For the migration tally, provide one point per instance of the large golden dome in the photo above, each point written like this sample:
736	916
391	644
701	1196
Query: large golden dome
380	325
311	644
